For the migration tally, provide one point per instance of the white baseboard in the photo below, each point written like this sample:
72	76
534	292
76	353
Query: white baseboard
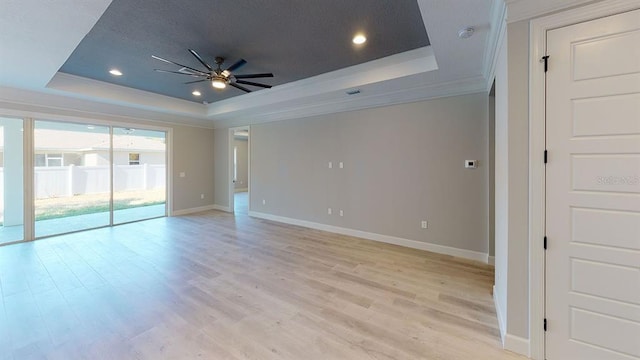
491	260
516	344
241	190
440	249
194	210
510	342
222	208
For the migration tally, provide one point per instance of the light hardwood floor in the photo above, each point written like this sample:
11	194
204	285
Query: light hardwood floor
211	286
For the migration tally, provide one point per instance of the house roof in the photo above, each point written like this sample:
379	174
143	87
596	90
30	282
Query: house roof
66	141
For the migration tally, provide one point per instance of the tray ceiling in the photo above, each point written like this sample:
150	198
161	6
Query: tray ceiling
293	39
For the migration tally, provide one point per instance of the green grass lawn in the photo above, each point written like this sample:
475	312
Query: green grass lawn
92	209
55	208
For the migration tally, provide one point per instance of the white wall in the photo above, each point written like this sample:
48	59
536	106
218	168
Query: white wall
402	164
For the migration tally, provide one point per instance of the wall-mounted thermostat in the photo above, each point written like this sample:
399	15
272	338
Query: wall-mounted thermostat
471	164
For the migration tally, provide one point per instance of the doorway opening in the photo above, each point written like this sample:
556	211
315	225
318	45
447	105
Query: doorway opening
239	143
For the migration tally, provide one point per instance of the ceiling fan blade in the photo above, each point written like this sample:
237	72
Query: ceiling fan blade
194	53
184	66
239	87
253	83
253	76
176	72
196	81
237	65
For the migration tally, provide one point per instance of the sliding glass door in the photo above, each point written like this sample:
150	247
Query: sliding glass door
85	176
139	174
11	180
72	188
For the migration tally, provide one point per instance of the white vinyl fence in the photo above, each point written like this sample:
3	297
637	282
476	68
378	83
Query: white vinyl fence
72	180
61	181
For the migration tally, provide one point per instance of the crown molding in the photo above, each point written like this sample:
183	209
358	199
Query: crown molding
528	9
400	65
29	103
362	101
90	89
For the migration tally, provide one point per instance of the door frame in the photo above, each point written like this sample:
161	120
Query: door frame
537	133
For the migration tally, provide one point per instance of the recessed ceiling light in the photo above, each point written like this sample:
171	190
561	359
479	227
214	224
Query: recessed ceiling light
115	72
466	32
196	93
359	39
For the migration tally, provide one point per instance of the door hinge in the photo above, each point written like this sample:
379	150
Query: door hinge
545	156
545	243
544	324
545	59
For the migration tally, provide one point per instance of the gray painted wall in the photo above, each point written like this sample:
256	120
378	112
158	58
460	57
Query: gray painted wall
221	167
193	154
512	179
402	164
243	163
501	165
492	171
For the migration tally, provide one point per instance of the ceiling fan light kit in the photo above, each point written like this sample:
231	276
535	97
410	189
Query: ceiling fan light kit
218	77
219	83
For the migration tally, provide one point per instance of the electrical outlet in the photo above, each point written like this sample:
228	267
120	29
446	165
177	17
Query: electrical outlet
341	165
424	224
201	196
329	211
330	165
341	213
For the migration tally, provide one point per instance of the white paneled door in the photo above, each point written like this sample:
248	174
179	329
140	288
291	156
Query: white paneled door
593	190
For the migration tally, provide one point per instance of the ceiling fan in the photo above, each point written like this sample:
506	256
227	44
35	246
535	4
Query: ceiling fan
219	78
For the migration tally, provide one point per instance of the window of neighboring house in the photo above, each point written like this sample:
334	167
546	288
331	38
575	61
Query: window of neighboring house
55	159
134	158
41	160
